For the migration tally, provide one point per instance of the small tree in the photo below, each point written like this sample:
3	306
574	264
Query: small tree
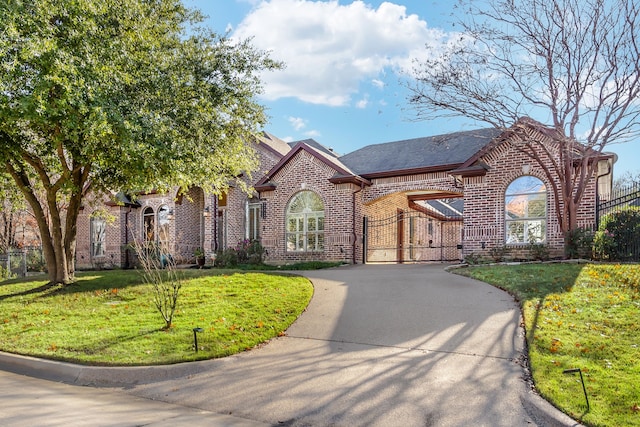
573	63
159	271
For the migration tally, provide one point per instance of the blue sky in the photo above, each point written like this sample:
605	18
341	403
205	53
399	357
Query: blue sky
345	60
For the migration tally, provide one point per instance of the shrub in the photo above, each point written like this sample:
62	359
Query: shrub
578	243
618	236
227	258
6	274
245	252
472	259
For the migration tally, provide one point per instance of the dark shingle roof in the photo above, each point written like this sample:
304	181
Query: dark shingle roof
315	144
450	149
447	208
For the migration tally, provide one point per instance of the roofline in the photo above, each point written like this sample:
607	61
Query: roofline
349	179
434	214
301	146
412	171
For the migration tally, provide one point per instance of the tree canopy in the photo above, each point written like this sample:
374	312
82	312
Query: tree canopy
573	65
117	95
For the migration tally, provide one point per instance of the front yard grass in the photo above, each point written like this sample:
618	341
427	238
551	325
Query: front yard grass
109	318
583	316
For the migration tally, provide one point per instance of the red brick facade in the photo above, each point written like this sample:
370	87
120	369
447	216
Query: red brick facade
211	222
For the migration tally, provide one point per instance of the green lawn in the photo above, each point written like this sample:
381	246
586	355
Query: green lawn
583	316
109	317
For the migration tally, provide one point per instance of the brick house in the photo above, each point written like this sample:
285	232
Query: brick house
436	198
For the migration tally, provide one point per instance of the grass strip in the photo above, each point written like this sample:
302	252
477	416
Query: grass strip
584	316
108	317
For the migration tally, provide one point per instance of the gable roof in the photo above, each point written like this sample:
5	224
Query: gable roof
343	173
316	145
274	144
442	152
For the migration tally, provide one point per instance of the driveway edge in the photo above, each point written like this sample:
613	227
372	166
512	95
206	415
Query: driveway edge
96	376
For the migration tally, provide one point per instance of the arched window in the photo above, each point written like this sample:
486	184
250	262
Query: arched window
163	227
525	205
149	224
305	223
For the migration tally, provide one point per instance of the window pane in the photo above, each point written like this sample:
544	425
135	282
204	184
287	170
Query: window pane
98	234
320	242
526	185
311	224
311	242
321	223
516	207
537	206
515	232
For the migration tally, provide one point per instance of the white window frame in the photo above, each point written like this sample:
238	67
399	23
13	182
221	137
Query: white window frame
305	229
531	228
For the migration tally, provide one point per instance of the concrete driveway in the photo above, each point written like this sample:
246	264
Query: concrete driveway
396	345
379	345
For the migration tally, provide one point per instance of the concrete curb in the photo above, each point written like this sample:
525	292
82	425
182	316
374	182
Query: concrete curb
544	413
96	376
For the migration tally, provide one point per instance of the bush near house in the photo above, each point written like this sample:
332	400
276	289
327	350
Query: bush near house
618	236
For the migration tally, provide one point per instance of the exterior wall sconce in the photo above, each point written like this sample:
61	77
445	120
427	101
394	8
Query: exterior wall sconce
207	212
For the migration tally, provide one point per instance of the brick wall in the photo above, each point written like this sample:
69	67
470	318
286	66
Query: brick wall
306	172
484	210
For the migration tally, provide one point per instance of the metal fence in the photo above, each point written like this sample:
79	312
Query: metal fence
19	262
618	200
627	241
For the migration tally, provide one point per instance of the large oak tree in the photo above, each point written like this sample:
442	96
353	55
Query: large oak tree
119	94
572	64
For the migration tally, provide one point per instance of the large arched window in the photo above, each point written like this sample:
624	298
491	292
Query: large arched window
305	223
525	204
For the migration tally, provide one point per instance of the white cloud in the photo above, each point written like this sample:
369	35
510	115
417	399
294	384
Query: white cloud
297	123
312	134
377	83
329	48
363	103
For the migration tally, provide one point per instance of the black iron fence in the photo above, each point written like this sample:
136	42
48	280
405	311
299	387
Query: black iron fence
17	262
625	229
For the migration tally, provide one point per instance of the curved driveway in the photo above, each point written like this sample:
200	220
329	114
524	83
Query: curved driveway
396	345
379	345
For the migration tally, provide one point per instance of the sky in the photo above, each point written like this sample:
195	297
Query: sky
345	61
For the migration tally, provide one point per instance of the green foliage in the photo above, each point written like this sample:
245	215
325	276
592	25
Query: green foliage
618	235
227	258
473	259
580	316
6	274
578	243
245	252
108	318
131	95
